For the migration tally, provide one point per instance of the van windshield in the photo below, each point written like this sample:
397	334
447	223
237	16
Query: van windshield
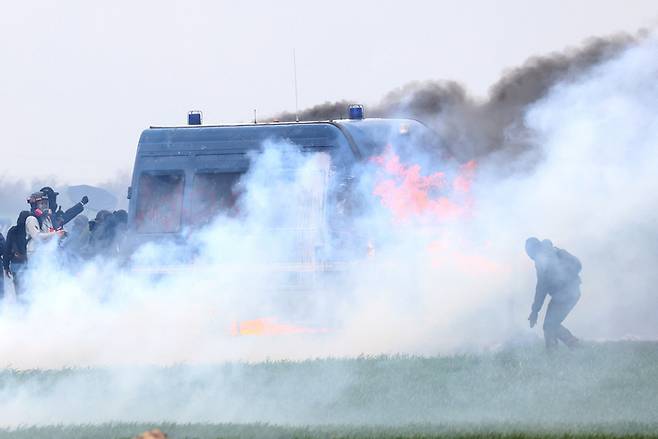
373	136
159	202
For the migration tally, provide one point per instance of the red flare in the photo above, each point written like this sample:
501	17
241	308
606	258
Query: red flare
408	193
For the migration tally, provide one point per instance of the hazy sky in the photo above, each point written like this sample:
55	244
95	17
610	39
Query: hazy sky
81	79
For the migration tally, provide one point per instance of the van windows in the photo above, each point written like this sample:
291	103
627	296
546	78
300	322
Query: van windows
159	202
213	193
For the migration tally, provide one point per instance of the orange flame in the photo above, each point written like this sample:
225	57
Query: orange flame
408	194
269	326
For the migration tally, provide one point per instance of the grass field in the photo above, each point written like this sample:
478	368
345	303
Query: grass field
264	431
602	390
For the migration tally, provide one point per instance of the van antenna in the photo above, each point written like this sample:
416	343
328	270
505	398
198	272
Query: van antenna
255	121
294	67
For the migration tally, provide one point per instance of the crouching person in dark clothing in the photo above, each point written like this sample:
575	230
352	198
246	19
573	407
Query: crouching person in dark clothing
14	259
558	275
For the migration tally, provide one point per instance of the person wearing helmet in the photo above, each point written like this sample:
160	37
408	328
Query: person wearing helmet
558	275
61	218
39	226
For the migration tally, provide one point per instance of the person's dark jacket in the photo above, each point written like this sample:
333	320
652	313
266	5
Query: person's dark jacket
2	251
2	264
16	242
558	274
102	231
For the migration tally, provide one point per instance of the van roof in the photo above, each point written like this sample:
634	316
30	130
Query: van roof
246	136
239	132
246	124
368	121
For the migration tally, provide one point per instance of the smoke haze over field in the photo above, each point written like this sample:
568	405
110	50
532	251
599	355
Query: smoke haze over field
511	389
430	277
576	137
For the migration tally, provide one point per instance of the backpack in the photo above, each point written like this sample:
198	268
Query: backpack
14	250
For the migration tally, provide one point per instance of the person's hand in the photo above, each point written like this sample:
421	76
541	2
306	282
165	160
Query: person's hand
60	233
532	319
84	200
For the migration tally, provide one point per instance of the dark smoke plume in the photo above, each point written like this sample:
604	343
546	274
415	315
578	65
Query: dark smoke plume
494	127
470	128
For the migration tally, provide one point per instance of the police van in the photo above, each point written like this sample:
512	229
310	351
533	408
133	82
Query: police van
178	169
186	176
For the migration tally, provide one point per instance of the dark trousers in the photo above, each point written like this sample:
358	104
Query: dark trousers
558	309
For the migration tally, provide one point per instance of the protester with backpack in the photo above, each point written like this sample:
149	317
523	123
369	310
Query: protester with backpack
558	275
39	225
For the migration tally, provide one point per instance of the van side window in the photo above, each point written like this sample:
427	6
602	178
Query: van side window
159	202
213	193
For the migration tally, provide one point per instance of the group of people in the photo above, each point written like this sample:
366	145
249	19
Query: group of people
558	272
45	222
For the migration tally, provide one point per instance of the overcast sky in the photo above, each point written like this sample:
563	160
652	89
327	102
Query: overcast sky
80	79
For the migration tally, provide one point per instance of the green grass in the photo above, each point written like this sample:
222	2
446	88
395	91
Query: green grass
264	431
602	390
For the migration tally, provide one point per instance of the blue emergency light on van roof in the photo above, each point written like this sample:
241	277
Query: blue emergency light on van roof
355	112
194	118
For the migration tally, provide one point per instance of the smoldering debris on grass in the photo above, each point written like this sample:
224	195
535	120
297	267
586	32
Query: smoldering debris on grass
155	433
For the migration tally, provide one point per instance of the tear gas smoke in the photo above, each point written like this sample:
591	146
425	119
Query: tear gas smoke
426	283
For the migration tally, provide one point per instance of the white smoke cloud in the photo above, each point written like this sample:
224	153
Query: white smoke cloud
592	194
428	286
